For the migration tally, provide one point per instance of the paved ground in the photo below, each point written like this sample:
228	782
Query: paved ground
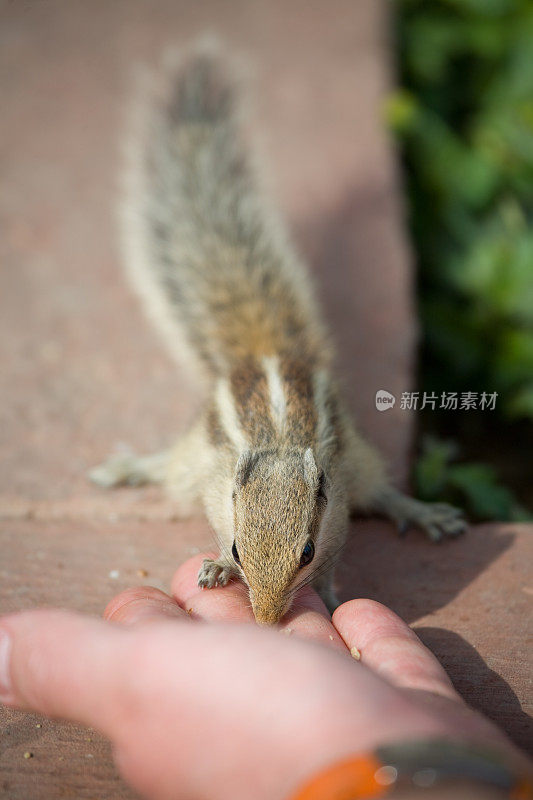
82	372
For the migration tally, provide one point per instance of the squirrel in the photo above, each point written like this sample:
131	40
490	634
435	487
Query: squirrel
273	457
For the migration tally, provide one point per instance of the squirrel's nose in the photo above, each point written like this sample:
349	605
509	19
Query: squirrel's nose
268	618
267	614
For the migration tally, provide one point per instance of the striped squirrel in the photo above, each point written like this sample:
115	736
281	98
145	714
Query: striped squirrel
273	457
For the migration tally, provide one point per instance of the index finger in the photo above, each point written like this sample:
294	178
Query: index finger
142	604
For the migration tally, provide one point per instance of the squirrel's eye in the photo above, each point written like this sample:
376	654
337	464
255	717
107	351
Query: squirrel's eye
307	554
235	554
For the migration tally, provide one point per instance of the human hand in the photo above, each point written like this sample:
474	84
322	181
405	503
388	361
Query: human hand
216	710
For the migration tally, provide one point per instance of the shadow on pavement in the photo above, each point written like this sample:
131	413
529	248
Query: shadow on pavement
485	690
411	575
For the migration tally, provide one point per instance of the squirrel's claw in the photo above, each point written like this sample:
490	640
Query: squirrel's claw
403	527
214	573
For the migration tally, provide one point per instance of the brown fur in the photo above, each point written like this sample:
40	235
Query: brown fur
250	392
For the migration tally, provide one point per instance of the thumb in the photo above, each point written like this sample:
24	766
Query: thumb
63	665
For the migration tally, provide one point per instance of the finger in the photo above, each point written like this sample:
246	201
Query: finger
62	665
222	603
308	616
142	604
389	647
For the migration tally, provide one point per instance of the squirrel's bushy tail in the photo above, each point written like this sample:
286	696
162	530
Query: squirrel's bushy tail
209	258
204	93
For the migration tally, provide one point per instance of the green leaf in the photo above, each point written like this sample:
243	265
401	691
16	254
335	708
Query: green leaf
432	467
400	111
521	404
483	495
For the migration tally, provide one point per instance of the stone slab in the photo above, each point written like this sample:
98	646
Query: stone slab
83	372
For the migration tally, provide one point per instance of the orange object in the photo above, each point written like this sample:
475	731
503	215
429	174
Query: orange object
367	777
347	780
523	790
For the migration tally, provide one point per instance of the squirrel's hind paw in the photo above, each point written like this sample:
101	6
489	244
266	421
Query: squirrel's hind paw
437	520
128	469
118	470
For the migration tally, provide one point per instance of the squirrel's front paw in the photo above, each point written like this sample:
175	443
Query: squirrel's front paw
214	573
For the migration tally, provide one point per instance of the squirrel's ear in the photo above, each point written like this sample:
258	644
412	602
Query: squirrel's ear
245	464
310	468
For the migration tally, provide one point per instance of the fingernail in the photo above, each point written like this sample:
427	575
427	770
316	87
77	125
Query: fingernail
5	675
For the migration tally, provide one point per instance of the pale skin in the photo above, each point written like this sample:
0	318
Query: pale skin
199	702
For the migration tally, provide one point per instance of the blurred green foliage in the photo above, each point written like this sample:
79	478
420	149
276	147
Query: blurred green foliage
464	119
473	486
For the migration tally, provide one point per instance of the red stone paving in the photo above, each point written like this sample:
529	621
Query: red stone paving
82	372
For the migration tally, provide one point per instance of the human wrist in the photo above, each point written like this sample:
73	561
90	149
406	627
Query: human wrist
436	768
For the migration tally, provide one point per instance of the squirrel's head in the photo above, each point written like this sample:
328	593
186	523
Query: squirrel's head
278	502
